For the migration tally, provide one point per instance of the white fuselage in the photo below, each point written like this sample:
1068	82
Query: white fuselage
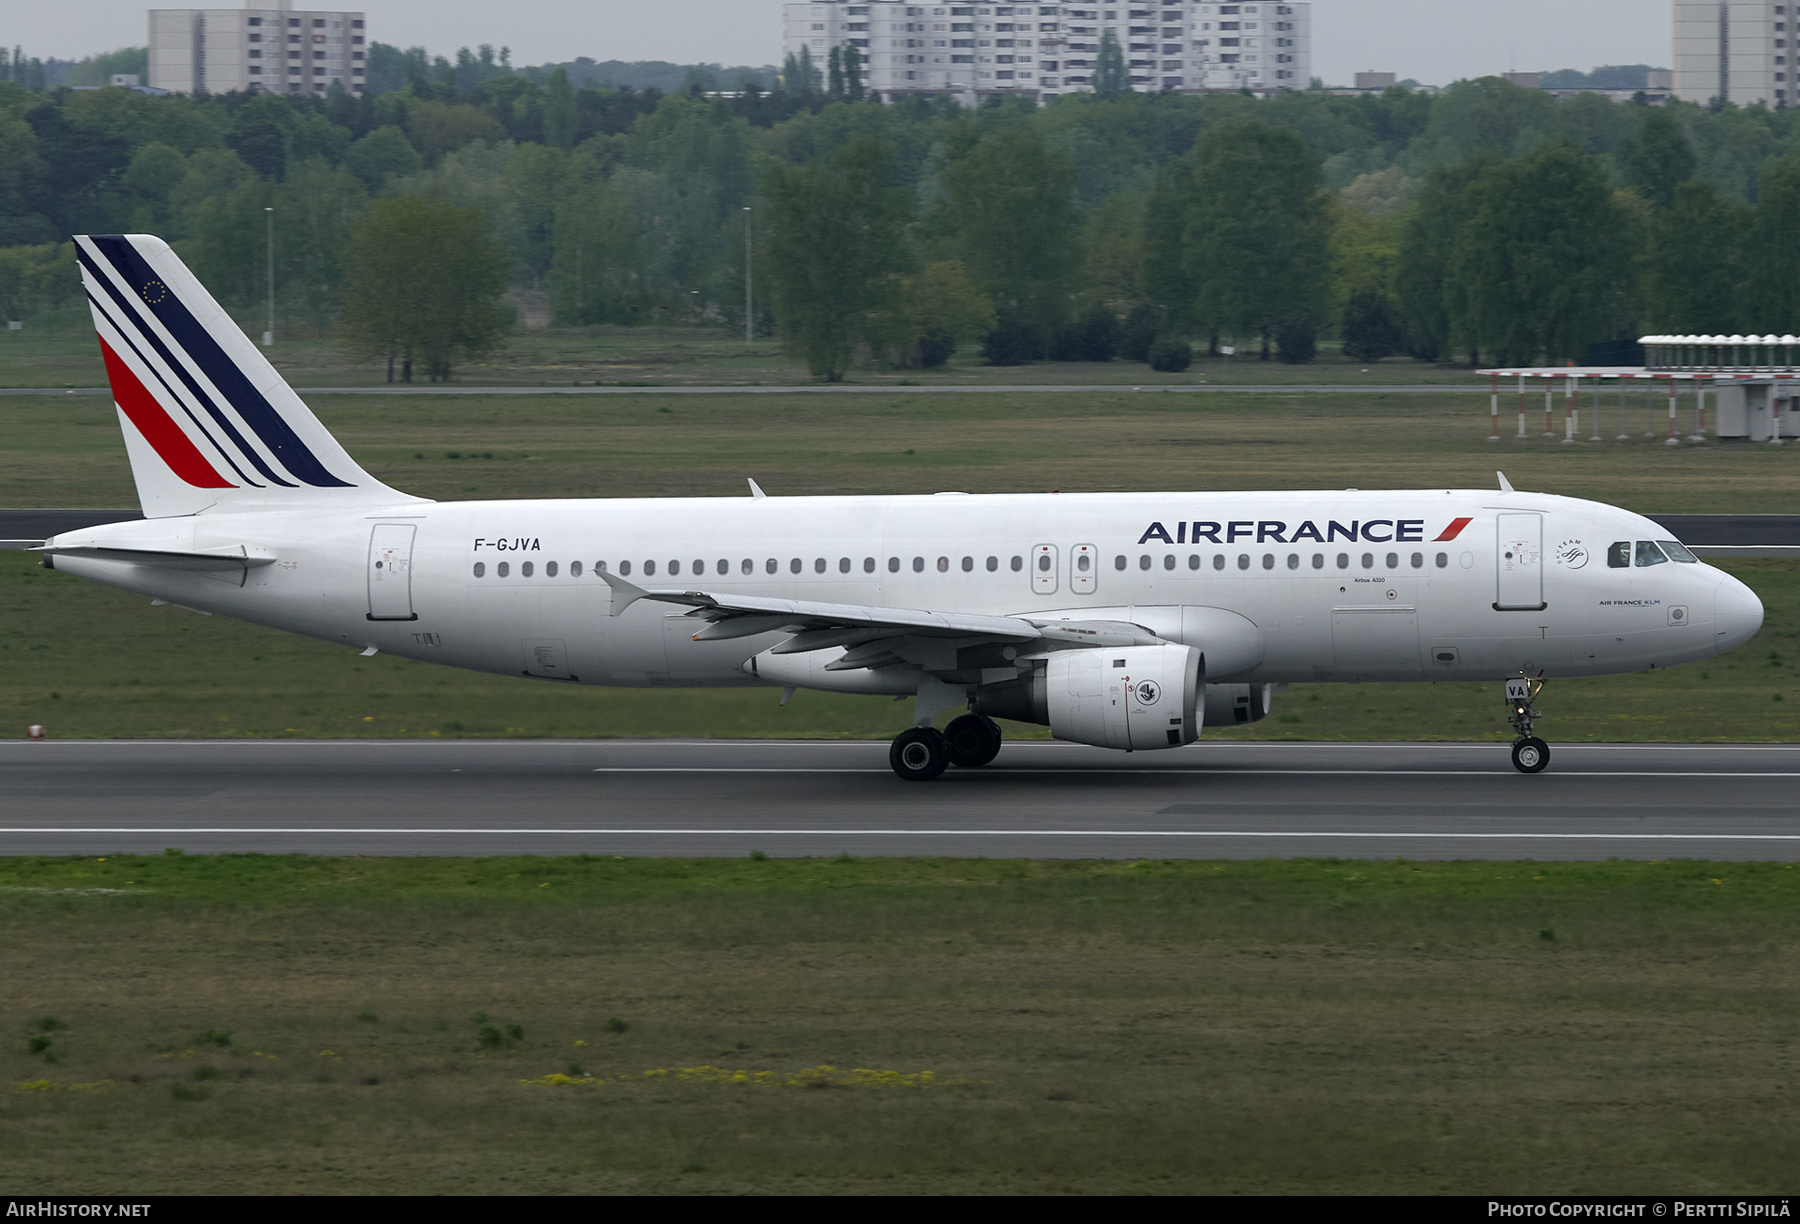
1345	586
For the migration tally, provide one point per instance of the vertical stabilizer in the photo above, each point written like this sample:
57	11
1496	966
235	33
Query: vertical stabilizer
207	420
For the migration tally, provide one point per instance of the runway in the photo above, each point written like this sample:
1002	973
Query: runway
1039	800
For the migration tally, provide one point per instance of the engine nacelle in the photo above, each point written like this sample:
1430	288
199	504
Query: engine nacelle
1230	704
1132	697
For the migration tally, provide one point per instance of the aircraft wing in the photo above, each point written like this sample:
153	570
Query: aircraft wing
874	635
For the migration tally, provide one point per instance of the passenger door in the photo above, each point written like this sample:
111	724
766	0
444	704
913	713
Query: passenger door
1520	560
390	572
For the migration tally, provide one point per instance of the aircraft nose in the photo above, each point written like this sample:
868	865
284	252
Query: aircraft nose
1737	614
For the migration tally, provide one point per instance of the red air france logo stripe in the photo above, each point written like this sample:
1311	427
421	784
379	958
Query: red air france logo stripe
141	408
1453	530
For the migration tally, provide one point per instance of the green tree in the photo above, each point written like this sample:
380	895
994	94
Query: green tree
853	80
1258	229
595	277
1428	237
1695	265
1111	80
834	75
424	285
382	155
837	245
1774	297
1009	209
937	310
1659	158
559	111
1541	259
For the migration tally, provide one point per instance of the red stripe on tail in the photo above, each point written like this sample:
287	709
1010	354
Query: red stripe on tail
1453	530
141	408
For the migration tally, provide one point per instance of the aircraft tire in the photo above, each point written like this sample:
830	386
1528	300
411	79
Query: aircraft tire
919	754
1530	755
973	740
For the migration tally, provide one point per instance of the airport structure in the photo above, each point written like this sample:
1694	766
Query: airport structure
266	46
1737	51
971	51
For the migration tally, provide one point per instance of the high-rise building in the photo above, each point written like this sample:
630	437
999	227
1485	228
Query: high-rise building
1736	51
974	50
262	46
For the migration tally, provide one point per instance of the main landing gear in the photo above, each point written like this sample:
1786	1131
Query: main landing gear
920	754
1529	753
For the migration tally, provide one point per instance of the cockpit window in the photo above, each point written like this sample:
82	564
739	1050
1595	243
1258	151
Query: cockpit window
1618	556
1678	552
1649	554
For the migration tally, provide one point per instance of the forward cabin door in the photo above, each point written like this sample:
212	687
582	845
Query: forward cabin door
1520	557
390	572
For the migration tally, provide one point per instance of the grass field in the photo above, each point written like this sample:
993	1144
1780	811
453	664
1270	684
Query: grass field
88	661
267	1025
59	351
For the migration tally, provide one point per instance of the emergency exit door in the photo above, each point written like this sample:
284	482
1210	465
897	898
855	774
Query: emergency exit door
1519	584
390	572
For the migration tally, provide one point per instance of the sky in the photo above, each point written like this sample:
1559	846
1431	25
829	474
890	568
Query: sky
1432	41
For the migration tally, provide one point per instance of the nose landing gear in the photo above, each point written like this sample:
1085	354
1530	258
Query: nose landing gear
1529	753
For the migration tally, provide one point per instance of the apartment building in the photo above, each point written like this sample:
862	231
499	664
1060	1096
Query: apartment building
975	50
1738	51
265	46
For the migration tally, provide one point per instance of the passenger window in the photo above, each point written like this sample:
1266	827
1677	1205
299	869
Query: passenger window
993	565
843	565
624	569
674	568
1418	560
525	570
868	565
794	565
1443	560
969	564
1649	554
1243	561
1119	562
918	565
1318	560
1678	552
1343	560
1368	560
819	565
1193	561
700	569
771	566
1218	561
724	567
1293	560
1268	561
1393	560
1018	563
1144	562
1084	563
549	569
893	565
748	566
1168	561
480	569
649	569
574	569
943	565
1044	562
599	568
1618	556
502	569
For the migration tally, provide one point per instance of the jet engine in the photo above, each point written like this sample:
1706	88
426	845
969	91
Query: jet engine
1229	704
1128	697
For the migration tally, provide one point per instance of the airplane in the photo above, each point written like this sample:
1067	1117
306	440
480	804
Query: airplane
1124	620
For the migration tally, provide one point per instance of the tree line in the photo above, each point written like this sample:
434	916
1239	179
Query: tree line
1485	222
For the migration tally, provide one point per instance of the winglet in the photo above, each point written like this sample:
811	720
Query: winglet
624	593
756	493
1505	484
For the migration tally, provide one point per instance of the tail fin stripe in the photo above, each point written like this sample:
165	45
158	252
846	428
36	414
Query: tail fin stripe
157	427
123	338
199	345
125	317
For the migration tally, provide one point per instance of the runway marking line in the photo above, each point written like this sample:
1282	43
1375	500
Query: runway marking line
1146	833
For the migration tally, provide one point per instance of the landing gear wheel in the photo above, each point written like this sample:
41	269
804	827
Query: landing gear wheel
973	740
919	754
1530	755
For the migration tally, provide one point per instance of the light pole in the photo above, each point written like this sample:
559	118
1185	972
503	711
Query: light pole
269	335
747	316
